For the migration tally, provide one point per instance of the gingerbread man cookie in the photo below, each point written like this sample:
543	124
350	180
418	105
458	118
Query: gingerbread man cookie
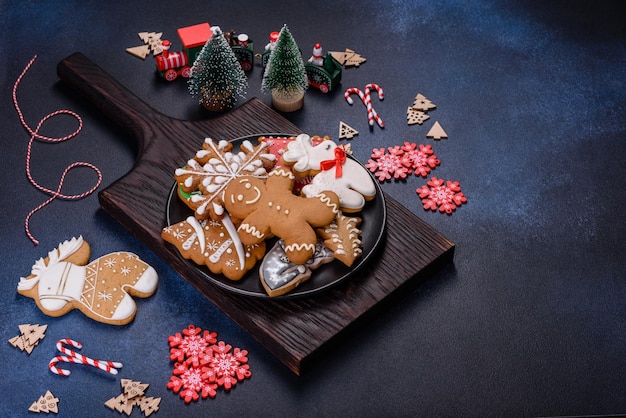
333	171
102	289
271	209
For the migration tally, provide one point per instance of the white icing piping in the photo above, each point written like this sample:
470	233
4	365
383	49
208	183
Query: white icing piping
193	222
230	227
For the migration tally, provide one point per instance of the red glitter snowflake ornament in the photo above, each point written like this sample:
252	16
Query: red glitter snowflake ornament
421	159
384	164
202	364
435	194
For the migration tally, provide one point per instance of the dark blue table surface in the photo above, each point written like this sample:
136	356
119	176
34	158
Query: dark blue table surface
529	319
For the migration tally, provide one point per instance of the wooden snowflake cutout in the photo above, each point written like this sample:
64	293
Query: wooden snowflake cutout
414	116
206	175
437	132
346	131
441	194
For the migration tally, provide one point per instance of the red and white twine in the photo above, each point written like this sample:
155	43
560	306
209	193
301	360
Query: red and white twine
372	115
34	133
73	357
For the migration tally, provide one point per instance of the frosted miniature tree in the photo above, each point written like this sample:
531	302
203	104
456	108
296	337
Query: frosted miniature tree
216	75
285	76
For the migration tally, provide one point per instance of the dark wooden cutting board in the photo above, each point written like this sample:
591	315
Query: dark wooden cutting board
297	330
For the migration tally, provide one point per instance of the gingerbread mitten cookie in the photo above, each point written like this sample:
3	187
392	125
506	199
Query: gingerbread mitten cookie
102	289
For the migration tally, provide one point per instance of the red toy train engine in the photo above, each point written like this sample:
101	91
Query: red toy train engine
173	64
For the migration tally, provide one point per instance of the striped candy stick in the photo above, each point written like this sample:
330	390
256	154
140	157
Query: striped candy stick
354	90
372	113
73	357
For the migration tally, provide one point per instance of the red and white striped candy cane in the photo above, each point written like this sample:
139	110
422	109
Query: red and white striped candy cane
353	90
372	114
74	357
364	99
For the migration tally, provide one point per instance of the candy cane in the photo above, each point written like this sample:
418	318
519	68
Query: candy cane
73	357
372	115
381	96
353	90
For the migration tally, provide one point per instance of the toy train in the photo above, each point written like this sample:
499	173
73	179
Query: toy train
170	65
323	71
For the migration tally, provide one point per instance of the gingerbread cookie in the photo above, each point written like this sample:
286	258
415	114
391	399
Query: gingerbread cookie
335	172
102	289
279	275
271	209
214	244
206	175
343	237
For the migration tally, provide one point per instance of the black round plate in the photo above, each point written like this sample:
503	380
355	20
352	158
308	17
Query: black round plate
373	216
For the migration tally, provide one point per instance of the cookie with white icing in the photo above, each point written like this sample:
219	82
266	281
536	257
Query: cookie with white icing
271	209
214	244
102	289
203	179
279	275
335	172
343	237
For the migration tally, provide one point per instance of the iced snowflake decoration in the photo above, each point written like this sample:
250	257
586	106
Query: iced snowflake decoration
202	364
206	175
442	194
400	161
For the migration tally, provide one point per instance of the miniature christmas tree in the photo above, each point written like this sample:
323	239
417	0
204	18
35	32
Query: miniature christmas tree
216	75
285	77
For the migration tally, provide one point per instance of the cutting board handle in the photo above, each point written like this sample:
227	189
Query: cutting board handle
110	97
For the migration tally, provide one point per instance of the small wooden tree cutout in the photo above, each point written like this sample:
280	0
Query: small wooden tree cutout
348	58
29	337
133	394
415	116
121	404
422	103
46	403
346	131
133	389
152	44
141	51
437	132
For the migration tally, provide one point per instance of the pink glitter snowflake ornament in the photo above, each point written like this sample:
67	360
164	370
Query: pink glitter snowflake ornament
202	364
447	197
420	159
385	164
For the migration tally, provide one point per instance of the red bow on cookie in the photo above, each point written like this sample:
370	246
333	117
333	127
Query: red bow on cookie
337	162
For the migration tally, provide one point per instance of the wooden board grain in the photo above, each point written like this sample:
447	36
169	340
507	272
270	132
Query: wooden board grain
298	330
